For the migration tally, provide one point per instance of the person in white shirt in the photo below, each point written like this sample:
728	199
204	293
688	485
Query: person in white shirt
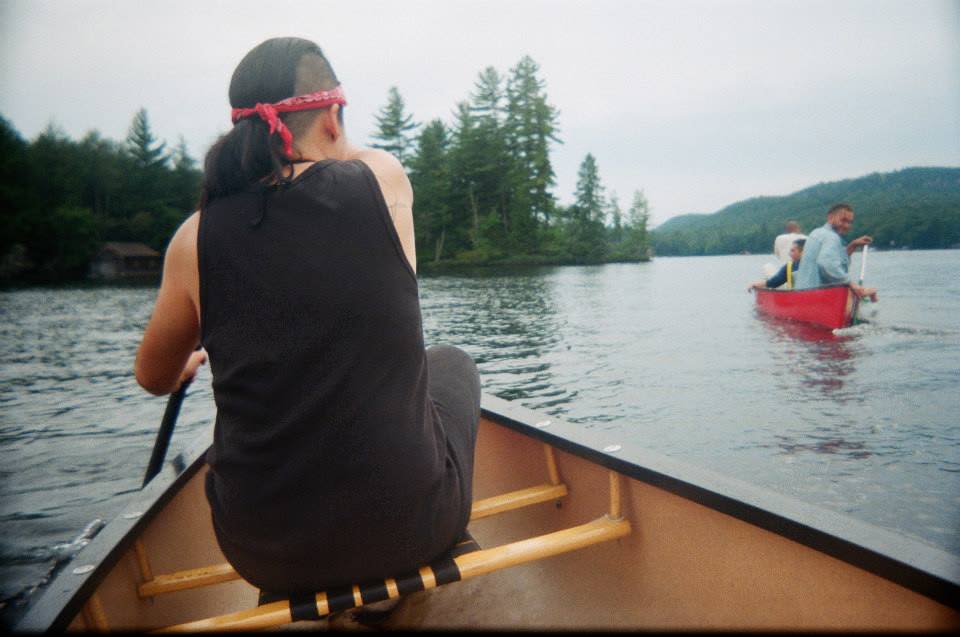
781	245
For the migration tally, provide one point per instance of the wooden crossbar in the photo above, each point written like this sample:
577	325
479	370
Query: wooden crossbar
469	565
217	573
517	499
183	580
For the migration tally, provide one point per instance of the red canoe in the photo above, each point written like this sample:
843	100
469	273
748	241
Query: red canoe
831	306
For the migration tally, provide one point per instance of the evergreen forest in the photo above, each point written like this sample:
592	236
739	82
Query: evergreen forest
60	199
483	188
484	183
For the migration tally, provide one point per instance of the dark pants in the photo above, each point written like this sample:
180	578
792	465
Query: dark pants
455	389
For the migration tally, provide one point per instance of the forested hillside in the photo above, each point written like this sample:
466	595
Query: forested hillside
914	208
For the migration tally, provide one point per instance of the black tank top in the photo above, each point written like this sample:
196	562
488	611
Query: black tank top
329	464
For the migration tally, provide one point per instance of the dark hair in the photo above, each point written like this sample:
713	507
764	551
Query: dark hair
272	71
800	243
838	207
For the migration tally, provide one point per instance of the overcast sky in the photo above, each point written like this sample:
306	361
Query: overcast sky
698	103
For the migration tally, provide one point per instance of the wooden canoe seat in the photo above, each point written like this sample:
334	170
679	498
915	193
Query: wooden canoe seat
308	606
451	568
217	573
464	561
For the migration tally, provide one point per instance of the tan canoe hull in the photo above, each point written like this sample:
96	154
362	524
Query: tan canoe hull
699	555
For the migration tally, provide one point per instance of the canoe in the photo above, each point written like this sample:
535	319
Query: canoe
577	530
831	306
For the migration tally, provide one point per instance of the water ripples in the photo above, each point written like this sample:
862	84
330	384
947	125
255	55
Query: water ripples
656	354
669	355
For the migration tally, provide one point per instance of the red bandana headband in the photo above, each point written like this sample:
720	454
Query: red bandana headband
269	112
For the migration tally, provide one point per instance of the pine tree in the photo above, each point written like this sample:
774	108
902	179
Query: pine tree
487	95
531	126
478	180
146	189
615	215
638	237
589	194
146	150
585	231
182	161
53	162
490	161
186	178
103	174
430	177
463	182
394	127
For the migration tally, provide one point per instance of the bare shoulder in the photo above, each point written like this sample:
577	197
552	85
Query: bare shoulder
379	160
190	225
181	263
184	241
388	170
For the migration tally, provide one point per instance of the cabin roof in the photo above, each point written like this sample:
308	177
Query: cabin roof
128	249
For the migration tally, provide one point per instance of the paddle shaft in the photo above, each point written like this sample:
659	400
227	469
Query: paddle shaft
863	270
165	433
863	264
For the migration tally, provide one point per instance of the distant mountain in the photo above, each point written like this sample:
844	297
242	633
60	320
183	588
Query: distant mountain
682	221
910	208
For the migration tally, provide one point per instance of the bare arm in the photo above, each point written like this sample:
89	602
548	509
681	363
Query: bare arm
398	194
859	241
166	355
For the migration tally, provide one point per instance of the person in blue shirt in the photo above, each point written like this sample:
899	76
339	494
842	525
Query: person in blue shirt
826	259
785	274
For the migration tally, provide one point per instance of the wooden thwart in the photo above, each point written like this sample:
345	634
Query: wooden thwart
208	575
183	580
469	565
517	499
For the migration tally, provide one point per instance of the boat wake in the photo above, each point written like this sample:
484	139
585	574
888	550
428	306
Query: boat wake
869	328
857	330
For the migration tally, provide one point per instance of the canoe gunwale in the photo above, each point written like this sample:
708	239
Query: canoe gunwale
819	287
920	567
66	594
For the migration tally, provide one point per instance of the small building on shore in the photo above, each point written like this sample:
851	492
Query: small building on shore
126	260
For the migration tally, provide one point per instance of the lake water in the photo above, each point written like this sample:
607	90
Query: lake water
669	354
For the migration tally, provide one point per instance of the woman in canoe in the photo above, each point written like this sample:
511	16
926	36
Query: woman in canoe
343	451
